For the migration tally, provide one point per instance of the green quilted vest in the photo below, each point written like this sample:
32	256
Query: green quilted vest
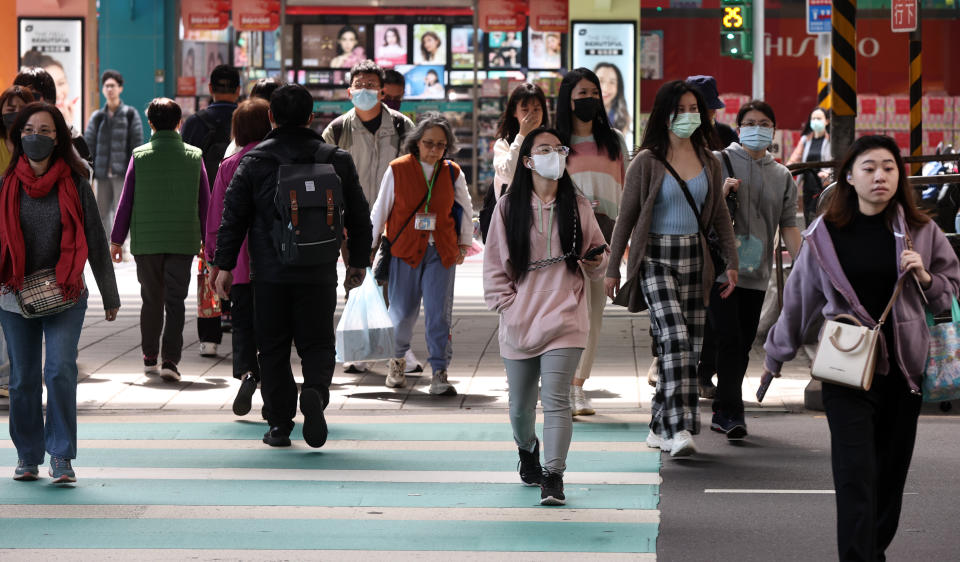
165	204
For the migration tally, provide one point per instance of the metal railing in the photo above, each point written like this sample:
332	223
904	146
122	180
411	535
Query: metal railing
907	160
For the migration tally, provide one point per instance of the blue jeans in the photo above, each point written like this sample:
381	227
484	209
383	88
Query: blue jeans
25	337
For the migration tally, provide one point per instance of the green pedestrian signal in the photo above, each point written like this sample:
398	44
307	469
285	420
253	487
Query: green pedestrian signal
736	23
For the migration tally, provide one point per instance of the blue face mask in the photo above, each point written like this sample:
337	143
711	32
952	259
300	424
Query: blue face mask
365	100
756	138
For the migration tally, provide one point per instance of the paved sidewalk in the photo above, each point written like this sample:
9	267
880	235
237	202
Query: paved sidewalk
111	368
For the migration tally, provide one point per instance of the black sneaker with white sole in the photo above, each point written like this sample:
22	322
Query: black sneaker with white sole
169	372
531	473
314	424
551	489
243	402
734	427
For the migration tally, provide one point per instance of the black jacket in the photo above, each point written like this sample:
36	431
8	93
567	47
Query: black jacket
249	207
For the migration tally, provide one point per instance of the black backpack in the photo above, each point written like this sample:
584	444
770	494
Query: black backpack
214	144
486	213
308	226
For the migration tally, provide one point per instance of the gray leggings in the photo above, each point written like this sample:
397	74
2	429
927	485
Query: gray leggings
554	371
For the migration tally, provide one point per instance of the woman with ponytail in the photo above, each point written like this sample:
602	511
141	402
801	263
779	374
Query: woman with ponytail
535	273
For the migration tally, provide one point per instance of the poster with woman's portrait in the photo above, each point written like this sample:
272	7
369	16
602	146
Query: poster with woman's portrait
461	47
545	50
423	82
429	43
56	45
390	44
505	49
609	49
333	46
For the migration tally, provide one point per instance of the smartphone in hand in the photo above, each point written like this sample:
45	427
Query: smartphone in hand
765	381
593	252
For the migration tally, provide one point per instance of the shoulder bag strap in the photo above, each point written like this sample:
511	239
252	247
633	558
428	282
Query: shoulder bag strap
726	160
406	222
886	311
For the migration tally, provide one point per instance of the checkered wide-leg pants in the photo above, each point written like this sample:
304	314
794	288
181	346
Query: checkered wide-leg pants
673	288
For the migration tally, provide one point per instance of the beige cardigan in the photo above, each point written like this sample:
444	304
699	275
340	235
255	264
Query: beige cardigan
644	178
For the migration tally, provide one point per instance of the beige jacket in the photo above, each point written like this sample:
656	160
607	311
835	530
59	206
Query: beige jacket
644	178
371	154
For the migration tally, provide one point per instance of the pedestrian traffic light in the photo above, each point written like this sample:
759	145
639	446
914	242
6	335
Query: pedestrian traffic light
736	23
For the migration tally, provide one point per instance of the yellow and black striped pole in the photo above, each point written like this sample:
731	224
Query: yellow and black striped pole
843	76
916	97
823	83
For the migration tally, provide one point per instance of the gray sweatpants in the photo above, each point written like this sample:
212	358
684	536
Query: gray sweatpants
554	372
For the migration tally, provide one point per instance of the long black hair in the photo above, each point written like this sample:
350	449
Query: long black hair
518	214
603	135
656	135
509	126
64	147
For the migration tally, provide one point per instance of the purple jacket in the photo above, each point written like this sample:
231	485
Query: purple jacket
241	273
817	287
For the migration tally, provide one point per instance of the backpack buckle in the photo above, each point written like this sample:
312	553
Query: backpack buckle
330	207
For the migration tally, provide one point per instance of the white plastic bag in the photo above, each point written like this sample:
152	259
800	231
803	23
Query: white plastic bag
365	332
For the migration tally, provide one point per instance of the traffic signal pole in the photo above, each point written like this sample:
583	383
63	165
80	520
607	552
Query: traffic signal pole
760	50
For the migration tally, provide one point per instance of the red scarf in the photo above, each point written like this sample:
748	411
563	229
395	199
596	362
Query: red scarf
73	242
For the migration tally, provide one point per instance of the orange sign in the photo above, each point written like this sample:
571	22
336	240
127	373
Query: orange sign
501	15
256	15
205	14
186	85
549	15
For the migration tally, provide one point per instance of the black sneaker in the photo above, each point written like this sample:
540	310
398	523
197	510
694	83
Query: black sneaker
150	366
314	424
277	437
735	427
551	489
242	403
169	372
531	473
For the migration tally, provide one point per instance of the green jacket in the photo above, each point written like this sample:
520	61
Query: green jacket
165	218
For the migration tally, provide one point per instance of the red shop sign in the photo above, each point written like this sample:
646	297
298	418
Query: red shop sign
501	15
205	14
256	15
549	15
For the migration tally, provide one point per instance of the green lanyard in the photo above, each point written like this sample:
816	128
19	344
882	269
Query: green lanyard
436	168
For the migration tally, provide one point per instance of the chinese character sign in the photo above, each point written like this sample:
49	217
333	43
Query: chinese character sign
903	15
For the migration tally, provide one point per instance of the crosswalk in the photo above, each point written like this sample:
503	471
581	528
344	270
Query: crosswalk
437	486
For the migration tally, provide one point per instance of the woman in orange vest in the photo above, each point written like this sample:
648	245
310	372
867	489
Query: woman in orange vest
425	206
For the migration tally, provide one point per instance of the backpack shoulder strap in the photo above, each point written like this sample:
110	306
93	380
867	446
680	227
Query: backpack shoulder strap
726	160
337	126
400	127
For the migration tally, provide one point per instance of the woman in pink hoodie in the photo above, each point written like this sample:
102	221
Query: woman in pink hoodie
535	275
250	125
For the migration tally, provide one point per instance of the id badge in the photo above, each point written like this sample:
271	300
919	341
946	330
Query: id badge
425	221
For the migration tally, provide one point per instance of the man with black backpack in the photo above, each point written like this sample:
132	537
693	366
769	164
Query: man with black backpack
373	134
294	195
209	130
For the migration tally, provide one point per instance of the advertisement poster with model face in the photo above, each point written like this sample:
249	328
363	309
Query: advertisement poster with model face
506	49
56	45
390	44
609	49
461	47
333	46
429	43
545	50
423	82
651	55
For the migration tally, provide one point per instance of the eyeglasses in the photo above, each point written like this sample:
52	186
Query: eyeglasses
430	145
544	149
365	86
764	123
28	130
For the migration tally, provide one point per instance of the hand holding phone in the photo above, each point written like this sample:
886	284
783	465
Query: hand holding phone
765	381
593	252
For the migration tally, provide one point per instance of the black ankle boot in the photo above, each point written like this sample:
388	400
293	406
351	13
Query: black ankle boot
531	473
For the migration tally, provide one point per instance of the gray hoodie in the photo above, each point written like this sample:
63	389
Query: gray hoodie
767	199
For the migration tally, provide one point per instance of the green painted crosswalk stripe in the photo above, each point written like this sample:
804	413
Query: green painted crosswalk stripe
595	432
359	459
120	491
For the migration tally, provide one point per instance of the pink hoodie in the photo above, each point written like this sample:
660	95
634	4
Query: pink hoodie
547	309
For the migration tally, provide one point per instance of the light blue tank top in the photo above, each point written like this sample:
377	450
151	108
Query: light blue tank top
671	212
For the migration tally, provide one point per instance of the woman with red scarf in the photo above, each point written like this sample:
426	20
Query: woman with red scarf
49	222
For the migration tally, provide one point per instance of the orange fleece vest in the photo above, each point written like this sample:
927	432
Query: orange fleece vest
409	187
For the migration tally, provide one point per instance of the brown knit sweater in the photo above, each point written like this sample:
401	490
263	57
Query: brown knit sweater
643	181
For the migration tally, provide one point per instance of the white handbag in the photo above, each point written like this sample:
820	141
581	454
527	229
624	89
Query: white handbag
847	353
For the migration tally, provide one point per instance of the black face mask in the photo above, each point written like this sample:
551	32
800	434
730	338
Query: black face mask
9	118
37	147
586	109
392	103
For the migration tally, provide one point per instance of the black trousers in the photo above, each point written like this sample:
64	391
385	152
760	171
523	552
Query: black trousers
208	330
164	282
301	314
734	325
872	434
244	336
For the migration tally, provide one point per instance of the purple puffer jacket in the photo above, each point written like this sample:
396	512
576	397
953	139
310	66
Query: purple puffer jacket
241	273
817	287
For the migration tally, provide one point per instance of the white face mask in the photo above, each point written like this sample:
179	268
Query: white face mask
549	166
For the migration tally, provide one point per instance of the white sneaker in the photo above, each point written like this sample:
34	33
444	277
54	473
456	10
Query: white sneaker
208	349
413	364
655	441
653	372
683	445
395	377
579	403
